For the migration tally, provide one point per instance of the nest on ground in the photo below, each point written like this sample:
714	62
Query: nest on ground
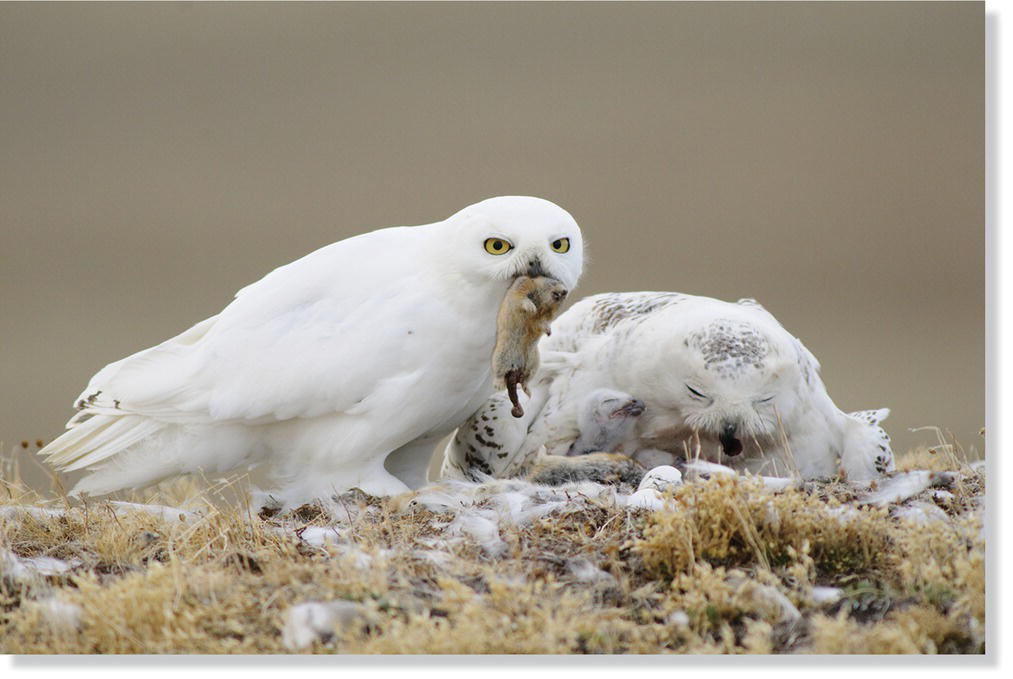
727	566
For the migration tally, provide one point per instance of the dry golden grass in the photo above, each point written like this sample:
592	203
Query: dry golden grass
729	567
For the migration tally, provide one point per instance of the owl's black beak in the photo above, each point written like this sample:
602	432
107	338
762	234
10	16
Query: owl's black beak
730	445
634	408
535	268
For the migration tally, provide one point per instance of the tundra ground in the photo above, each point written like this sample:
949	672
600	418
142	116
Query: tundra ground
728	566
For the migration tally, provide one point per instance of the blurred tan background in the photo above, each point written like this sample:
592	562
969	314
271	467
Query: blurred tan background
827	159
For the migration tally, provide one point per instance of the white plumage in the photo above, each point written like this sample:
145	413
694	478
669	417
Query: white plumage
339	370
720	381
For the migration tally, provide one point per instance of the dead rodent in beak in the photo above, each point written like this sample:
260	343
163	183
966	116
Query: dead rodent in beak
524	316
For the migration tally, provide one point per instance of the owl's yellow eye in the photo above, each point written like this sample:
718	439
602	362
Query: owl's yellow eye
497	246
560	245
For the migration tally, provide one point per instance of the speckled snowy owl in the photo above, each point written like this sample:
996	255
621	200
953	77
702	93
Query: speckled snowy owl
339	370
721	381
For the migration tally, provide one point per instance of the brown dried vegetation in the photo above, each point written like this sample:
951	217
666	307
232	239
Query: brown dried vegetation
729	567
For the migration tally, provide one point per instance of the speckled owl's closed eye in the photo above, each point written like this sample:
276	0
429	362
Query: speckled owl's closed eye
696	394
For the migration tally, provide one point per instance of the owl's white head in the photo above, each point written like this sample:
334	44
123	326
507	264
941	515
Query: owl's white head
504	237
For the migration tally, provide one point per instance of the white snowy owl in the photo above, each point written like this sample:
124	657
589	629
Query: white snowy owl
339	370
722	381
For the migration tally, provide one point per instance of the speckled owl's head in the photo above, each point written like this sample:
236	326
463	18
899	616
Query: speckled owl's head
733	381
724	377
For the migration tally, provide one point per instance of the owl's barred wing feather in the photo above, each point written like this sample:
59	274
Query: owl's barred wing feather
599	314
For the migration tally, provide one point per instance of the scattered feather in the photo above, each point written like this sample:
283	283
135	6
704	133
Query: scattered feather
826	596
318	621
11	512
62	617
321	536
904	486
646	498
695	469
168	514
920	513
29	568
661	478
778	482
584	571
481	528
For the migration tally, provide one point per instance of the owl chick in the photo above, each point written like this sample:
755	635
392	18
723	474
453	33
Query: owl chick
606	422
524	316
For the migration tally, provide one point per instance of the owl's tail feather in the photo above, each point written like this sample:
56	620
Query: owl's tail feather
96	439
127	450
866	453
